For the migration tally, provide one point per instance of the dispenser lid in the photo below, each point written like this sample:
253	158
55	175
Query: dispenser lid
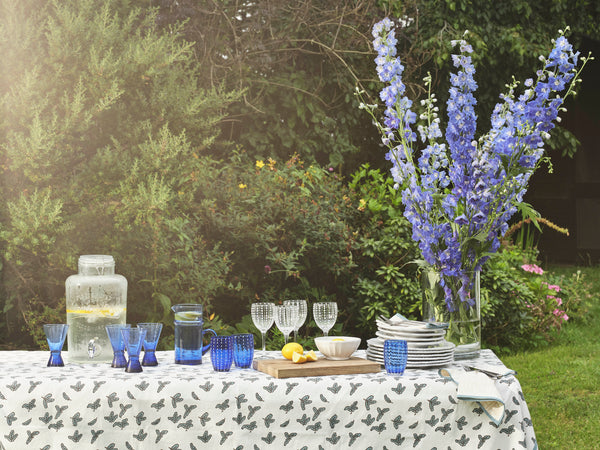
97	260
99	264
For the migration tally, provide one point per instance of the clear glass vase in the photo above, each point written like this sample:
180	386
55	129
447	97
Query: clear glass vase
462	312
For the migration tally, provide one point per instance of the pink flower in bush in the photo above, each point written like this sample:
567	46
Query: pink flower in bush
554	287
533	268
558	299
561	314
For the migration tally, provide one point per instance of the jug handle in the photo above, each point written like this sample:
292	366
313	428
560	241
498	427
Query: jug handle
207	346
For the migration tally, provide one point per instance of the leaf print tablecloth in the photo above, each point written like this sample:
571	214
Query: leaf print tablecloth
191	407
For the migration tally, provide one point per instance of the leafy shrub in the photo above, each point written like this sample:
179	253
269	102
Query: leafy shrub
575	294
298	232
385	273
547	308
286	229
104	129
524	306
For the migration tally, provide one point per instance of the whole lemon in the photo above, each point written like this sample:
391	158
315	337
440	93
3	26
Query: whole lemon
288	349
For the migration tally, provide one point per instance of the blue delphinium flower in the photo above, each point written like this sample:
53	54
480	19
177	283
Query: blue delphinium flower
458	191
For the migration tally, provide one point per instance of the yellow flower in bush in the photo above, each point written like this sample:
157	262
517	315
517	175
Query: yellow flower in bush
242	186
260	164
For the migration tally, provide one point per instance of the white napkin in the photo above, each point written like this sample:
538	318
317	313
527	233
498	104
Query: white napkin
490	369
477	387
398	319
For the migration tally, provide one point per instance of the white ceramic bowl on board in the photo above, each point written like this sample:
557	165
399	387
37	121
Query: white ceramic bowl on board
337	347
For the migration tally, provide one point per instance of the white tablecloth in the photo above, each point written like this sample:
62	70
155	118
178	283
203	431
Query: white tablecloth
190	407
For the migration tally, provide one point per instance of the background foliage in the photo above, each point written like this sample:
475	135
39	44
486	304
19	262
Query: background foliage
95	156
200	142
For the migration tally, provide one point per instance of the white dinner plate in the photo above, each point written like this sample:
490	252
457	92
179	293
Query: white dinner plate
409	333
426	364
408	338
413	324
418	354
375	351
373	357
375	342
420	364
443	347
425	358
411	330
431	355
402	335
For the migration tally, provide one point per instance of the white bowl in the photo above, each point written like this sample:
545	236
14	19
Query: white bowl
337	347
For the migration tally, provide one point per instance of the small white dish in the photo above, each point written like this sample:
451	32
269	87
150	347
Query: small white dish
337	348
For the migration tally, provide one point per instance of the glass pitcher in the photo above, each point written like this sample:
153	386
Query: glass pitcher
96	297
188	334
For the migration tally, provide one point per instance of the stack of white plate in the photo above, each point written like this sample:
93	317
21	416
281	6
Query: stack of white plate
426	345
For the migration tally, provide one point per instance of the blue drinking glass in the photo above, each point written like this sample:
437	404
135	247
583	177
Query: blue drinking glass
55	336
243	350
118	346
221	352
150	342
395	353
133	338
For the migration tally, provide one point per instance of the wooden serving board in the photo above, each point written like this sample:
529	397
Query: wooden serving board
283	368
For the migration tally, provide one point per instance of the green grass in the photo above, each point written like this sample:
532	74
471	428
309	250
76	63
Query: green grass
561	383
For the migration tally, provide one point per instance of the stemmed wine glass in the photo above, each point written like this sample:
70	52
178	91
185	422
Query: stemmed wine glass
263	318
302	312
286	317
325	314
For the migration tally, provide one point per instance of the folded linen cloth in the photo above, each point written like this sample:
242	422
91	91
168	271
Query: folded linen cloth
491	370
477	387
400	319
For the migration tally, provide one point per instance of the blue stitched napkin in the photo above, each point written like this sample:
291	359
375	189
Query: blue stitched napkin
477	387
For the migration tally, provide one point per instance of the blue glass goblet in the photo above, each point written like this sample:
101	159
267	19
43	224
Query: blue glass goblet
55	336
395	354
243	350
133	338
118	346
150	342
221	352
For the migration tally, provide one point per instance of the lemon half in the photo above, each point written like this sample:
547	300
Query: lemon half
311	356
298	358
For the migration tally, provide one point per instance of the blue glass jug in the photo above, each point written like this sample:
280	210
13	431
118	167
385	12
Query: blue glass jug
189	333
